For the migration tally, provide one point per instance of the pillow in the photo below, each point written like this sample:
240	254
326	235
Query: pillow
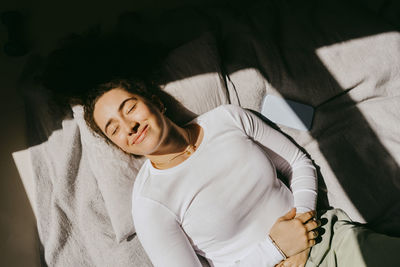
247	88
115	173
196	81
194	74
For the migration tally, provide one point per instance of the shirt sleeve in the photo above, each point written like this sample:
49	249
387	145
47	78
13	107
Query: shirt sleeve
161	235
286	156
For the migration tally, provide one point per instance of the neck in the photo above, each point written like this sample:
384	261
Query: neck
176	141
173	150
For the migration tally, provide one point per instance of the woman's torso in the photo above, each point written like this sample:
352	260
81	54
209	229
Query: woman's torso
226	196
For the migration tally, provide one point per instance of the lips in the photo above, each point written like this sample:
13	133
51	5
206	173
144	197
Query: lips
140	136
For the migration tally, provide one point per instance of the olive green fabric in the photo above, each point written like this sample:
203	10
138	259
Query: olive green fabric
344	243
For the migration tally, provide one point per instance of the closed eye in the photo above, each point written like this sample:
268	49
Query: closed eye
114	131
131	108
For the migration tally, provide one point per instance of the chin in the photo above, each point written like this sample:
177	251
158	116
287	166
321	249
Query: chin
146	148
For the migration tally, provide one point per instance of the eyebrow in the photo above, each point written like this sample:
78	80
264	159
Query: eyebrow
121	106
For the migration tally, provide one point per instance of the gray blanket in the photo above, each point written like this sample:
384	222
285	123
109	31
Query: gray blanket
73	223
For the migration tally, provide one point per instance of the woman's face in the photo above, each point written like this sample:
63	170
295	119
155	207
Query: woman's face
130	121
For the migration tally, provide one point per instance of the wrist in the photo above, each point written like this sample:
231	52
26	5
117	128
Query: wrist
277	247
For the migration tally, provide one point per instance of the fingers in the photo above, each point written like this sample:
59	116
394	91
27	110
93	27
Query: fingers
311	242
304	217
312	224
312	234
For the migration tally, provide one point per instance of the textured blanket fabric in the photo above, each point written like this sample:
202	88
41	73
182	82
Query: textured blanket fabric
73	222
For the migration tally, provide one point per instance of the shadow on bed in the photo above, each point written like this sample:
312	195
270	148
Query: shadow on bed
363	166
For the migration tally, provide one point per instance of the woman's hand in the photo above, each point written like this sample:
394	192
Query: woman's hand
293	235
298	260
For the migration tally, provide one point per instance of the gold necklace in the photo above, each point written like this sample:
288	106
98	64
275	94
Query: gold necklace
190	149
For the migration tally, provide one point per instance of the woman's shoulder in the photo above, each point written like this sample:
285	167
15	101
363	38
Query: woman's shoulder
141	178
226	114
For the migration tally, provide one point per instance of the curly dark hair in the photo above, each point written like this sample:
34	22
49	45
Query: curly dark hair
134	86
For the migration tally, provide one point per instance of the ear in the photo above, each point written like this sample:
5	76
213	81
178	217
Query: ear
158	103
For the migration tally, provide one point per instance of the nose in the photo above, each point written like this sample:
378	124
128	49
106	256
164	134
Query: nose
132	128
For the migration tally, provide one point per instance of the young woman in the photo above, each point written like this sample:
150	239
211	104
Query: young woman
211	187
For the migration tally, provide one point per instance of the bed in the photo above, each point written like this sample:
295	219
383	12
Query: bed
340	58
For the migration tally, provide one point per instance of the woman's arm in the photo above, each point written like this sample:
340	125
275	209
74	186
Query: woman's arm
287	232
161	235
286	156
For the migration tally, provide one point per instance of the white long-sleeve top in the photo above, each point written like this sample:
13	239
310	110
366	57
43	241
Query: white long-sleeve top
222	201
